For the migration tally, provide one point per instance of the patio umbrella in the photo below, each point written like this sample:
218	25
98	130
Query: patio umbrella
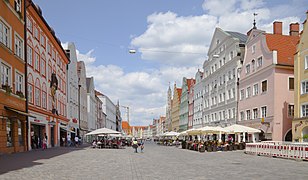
184	133
194	131
236	128
103	131
171	134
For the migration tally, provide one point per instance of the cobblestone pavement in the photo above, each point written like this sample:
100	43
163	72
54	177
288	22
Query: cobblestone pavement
157	162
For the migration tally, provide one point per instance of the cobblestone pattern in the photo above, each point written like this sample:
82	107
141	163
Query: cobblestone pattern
157	162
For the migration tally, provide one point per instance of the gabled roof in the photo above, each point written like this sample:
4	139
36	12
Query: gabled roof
125	125
179	90
190	82
284	45
240	36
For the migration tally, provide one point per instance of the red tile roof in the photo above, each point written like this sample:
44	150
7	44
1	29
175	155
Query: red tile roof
190	82
125	125
179	90
285	47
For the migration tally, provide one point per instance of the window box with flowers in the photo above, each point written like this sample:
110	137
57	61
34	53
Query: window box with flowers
20	94
7	88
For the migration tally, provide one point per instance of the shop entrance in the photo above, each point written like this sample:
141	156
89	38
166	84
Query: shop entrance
63	137
37	134
52	136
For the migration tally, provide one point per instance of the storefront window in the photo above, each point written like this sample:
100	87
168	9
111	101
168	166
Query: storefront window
9	133
20	134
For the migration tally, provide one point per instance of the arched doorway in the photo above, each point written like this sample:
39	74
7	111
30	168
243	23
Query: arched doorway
288	136
305	133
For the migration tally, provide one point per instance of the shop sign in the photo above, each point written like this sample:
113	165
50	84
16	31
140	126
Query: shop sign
74	120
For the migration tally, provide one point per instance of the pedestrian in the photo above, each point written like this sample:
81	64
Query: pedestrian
135	145
45	142
68	140
142	146
76	141
63	141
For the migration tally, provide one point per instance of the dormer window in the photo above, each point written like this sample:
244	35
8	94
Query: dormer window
253	65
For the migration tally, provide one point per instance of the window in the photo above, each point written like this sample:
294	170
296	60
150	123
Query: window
36	33
247	68
233	93
4	34
44	99
20	133
263	111
291	83
242	115
306	62
48	48
30	55
43	40
305	87
255	113
242	94
54	55
304	110
291	110
248	115
29	24
229	94
19	47
264	86
233	112
253	49
231	55
5	74
224	78
253	65
248	92
229	75
17	5
30	93
255	90
37	61
9	133
229	114
260	61
43	67
19	82
37	93
233	72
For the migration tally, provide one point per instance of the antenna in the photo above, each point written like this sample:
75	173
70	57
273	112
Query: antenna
254	20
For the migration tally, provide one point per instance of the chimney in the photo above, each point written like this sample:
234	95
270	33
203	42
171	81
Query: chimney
294	29
277	27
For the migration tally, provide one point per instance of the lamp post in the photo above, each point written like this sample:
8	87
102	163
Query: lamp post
78	132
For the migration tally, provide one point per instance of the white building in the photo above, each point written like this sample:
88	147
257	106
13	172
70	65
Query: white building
91	102
83	106
225	57
72	89
110	109
198	96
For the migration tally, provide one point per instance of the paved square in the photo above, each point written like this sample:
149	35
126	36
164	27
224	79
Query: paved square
157	162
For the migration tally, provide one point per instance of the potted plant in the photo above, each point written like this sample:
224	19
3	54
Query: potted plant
7	88
20	94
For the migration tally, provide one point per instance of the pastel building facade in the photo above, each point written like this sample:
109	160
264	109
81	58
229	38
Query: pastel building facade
191	106
300	121
266	88
46	81
175	111
82	93
186	85
13	132
91	104
72	90
168	110
198	101
226	54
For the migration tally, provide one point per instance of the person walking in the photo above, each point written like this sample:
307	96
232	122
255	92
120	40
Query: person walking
142	146
68	140
135	145
45	142
76	141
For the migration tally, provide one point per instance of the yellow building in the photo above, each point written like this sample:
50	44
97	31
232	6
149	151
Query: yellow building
175	110
300	121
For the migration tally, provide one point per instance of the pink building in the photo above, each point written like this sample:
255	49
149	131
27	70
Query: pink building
267	83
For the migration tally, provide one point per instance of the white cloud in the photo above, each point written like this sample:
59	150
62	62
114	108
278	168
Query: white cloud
144	91
219	7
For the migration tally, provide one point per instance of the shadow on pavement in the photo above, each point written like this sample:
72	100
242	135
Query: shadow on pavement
11	162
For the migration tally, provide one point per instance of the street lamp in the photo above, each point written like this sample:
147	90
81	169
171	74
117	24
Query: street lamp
78	132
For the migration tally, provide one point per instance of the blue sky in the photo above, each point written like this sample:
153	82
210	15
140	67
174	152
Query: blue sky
171	39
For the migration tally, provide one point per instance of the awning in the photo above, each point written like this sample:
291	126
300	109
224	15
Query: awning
19	112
